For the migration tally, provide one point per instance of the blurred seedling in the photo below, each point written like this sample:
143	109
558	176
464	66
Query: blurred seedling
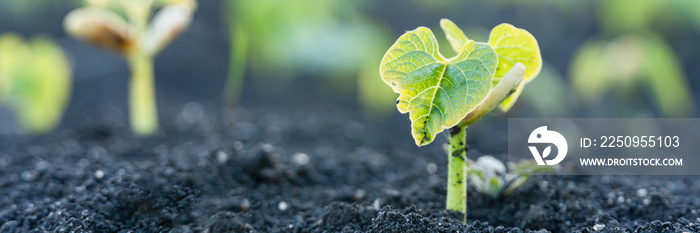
629	66
278	41
488	175
452	93
35	81
123	26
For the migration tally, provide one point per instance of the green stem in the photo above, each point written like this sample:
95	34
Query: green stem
456	170
142	101
237	63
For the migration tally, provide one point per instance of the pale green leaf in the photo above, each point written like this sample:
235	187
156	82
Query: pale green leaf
515	45
589	73
35	82
512	98
437	92
454	35
666	80
41	88
495	184
10	55
529	167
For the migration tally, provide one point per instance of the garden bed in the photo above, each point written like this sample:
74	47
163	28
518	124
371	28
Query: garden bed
308	170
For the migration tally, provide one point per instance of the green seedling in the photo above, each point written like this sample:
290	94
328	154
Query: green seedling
123	26
452	93
35	81
489	176
629	65
283	40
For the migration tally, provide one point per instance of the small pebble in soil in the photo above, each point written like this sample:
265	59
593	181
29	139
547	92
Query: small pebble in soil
300	158
221	157
434	179
599	227
5	161
99	174
544	186
244	205
97	152
28	175
641	192
431	168
393	193
359	195
376	205
238	145
282	206
268	148
42	165
192	112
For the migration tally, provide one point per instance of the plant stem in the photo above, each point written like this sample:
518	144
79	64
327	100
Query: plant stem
142	101
236	73
456	170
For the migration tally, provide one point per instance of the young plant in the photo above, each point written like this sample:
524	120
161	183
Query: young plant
452	93
123	27
489	176
35	81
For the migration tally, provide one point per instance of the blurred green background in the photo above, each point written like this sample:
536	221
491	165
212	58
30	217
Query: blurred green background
614	58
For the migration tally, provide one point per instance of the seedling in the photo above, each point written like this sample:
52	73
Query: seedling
627	66
452	93
283	40
123	27
489	176
35	81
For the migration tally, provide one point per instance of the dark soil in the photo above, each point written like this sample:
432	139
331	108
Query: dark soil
300	171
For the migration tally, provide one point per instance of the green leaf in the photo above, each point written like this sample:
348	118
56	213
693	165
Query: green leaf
10	55
36	82
590	73
495	184
666	80
42	92
515	45
454	35
437	92
528	168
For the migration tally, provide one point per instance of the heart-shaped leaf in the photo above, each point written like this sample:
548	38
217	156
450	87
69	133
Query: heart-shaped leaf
515	45
437	92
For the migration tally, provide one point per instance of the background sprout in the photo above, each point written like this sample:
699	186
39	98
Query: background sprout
283	40
452	93
35	81
101	22
628	64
